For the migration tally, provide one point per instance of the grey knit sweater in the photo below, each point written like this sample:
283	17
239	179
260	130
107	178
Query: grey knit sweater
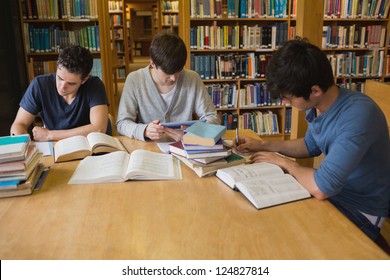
141	103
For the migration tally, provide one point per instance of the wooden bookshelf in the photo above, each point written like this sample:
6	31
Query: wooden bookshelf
169	15
355	37
48	29
118	36
239	43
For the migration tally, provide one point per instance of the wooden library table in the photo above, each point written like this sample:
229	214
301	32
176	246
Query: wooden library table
194	218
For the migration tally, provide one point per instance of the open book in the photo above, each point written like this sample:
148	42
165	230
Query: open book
78	147
263	184
120	166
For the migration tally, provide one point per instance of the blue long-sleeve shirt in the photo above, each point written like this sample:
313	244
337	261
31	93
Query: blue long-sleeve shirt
354	137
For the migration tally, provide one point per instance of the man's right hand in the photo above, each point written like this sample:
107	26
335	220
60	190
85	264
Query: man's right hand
154	130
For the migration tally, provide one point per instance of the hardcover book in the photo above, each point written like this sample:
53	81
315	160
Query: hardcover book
120	166
211	168
177	148
77	147
25	187
13	148
263	184
202	133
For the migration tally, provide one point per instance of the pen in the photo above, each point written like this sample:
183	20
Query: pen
237	141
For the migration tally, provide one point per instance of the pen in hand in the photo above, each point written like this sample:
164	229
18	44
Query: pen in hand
237	139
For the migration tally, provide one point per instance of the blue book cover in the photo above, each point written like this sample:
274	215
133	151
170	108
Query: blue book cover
13	147
7	140
203	134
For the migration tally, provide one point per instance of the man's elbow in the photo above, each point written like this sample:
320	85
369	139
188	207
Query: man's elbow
320	195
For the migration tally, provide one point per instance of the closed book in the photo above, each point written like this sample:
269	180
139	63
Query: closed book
19	165
201	133
26	187
178	149
194	147
209	169
13	148
21	174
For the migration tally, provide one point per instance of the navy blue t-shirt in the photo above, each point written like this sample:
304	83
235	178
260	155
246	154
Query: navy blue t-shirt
42	98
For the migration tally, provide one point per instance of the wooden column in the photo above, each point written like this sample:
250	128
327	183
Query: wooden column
309	22
106	54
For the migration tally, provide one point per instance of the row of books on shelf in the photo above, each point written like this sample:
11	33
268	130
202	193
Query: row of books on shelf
115	6
59	9
20	167
239	9
117	34
229	120
170	19
214	37
356	9
169	6
116	20
352	84
261	122
354	36
230	66
351	64
50	66
53	39
227	95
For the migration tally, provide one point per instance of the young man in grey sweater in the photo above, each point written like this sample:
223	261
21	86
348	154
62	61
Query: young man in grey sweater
163	92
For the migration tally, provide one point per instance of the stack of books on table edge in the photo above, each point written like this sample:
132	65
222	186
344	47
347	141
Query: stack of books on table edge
19	165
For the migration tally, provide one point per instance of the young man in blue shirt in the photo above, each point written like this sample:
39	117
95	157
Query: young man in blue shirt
70	102
346	126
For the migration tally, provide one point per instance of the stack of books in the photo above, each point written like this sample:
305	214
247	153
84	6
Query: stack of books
202	149
20	166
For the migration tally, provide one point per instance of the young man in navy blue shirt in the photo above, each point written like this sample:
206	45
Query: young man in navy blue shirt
70	102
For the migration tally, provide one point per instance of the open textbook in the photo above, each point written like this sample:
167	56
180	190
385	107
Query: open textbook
120	166
263	184
77	147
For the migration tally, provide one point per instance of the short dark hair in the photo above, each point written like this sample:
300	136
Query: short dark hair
296	67
76	60
168	52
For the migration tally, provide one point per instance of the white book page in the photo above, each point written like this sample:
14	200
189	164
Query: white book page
150	165
96	138
70	145
46	148
238	173
272	191
11	148
105	168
